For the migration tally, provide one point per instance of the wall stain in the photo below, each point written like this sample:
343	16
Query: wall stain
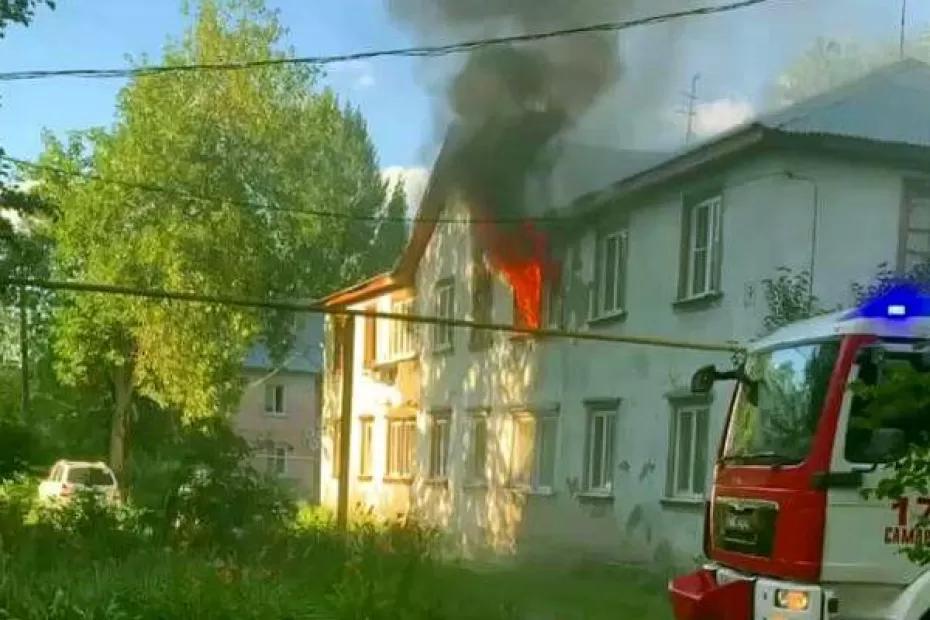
648	467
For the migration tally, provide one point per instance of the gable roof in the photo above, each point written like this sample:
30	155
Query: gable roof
885	108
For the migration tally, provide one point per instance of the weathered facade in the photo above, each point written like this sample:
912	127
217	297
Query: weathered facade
559	445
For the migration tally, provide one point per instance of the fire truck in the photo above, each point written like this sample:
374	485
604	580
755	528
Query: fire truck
789	533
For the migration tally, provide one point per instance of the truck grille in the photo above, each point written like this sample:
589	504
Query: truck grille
744	525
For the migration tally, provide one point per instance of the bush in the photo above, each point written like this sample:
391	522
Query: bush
18	447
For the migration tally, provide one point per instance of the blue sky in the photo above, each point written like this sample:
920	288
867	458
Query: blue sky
739	55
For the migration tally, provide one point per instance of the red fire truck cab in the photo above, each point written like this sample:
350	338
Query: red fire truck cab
788	532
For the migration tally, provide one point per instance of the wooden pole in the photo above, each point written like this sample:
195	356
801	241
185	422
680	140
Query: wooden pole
347	335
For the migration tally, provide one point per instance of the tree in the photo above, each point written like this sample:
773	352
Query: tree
19	11
392	232
264	144
830	63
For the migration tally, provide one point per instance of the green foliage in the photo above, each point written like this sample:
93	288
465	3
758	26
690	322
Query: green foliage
788	298
19	11
18	446
266	145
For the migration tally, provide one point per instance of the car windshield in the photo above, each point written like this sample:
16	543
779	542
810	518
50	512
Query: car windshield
91	476
778	404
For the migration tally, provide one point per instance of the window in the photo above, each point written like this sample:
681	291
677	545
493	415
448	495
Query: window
552	300
366	443
440	424
915	246
477	448
612	259
445	308
276	458
701	259
600	450
371	341
884	435
534	444
274	399
689	451
403	333
401	447
482	299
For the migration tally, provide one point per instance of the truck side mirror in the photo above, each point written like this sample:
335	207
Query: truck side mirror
886	445
703	379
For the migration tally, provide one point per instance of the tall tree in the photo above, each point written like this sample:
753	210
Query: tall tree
19	11
392	232
264	144
830	63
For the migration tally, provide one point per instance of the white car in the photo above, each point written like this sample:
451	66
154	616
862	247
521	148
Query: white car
68	477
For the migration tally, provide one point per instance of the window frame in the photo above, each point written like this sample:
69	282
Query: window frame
275	401
440	428
713	202
482	301
402	337
475	476
916	187
553	299
444	334
618	307
608	449
539	418
694	408
366	432
406	424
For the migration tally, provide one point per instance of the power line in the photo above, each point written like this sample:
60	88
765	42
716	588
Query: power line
323	213
319	308
421	51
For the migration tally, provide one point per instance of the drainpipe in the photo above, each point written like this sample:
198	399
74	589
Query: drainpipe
815	215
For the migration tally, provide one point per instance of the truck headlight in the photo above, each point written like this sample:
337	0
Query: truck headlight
792	600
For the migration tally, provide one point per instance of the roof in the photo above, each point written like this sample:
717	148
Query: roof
305	356
836	324
885	107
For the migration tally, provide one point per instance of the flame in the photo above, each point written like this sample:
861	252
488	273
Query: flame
521	253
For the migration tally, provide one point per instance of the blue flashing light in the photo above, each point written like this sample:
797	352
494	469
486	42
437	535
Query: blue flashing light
899	302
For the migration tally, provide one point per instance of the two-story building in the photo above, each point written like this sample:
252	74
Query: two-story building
279	412
561	445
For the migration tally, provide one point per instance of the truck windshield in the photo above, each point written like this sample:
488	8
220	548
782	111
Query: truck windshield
778	404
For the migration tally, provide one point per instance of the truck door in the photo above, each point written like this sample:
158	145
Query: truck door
864	537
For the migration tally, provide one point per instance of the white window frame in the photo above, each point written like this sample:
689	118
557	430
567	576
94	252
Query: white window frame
710	246
554	302
402	336
404	431
278	405
444	334
276	456
476	473
539	419
366	447
606	450
676	467
440	442
611	307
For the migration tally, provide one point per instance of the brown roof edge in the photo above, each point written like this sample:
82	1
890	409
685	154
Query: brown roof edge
364	290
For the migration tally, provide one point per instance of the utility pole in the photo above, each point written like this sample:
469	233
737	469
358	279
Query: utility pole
24	351
903	26
692	97
346	326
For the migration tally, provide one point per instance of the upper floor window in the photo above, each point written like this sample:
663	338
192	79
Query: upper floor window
445	309
274	399
402	339
482	300
701	249
552	304
915	246
611	270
